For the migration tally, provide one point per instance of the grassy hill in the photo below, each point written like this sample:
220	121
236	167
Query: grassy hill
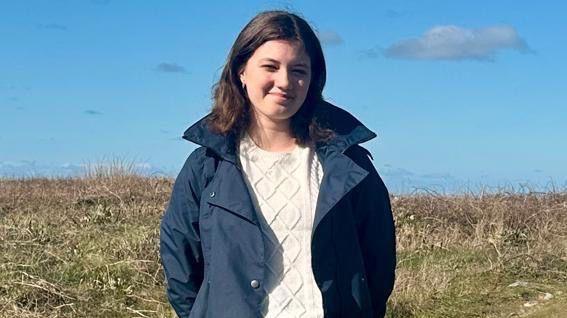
88	247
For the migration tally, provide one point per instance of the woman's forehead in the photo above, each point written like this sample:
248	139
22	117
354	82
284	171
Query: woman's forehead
281	51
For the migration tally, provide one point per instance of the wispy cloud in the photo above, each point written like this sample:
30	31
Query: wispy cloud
371	53
53	26
170	68
330	38
450	42
92	112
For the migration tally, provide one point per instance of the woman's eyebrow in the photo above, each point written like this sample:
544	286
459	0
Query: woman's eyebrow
303	64
271	60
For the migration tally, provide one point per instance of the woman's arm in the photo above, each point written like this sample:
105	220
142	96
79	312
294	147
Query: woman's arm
376	231
180	244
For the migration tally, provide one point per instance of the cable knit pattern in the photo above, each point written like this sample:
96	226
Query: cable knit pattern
284	188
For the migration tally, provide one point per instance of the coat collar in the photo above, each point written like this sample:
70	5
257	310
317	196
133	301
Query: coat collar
348	131
341	174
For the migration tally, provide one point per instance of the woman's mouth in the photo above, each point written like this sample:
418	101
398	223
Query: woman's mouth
282	97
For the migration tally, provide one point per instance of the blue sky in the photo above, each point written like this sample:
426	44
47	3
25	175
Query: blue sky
459	92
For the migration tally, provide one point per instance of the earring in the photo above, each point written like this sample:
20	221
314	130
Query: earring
243	86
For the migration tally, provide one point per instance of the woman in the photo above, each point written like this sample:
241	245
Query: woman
279	212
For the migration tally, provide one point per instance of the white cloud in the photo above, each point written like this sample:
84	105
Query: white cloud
450	42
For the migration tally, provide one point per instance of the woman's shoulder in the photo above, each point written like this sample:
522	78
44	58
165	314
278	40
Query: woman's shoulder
335	117
199	166
196	158
363	158
358	154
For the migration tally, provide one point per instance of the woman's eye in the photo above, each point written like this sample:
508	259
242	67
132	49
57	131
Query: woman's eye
269	67
300	72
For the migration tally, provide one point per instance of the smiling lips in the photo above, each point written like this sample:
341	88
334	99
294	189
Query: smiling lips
282	97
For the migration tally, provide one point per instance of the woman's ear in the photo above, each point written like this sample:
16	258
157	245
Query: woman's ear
242	80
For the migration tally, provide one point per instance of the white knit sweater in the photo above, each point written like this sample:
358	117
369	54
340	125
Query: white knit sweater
284	188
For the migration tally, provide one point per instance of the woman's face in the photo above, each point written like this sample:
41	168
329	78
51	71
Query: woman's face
277	77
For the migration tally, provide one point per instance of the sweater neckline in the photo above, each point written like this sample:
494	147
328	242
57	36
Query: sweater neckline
249	144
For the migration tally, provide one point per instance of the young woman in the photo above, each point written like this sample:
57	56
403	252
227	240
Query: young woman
279	212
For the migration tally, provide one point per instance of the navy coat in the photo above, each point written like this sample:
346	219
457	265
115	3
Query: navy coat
211	242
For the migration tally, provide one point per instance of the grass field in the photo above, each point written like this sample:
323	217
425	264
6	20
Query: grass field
88	247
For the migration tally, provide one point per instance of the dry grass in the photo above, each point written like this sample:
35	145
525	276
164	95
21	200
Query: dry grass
458	255
88	247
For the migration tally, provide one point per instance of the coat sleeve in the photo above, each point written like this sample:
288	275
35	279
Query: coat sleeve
376	232
180	244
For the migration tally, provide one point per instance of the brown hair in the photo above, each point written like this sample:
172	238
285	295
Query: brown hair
230	113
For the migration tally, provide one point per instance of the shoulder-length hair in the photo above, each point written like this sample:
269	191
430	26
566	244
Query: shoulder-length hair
230	113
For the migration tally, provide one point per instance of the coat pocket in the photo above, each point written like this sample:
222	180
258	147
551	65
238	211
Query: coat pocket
235	212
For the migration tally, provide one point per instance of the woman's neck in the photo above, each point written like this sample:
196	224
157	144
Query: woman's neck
276	138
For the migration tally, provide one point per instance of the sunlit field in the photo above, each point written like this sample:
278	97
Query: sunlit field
88	247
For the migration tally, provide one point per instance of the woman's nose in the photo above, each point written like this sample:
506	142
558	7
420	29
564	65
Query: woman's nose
282	79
